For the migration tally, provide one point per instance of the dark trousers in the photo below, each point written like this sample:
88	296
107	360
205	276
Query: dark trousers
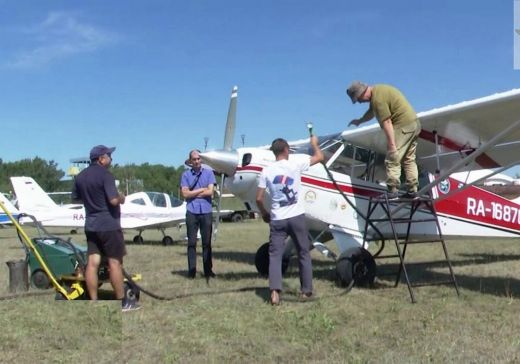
204	222
296	228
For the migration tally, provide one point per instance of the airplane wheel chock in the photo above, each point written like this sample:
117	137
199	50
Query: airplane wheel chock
262	261
356	266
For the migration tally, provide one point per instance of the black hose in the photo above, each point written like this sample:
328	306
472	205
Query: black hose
345	197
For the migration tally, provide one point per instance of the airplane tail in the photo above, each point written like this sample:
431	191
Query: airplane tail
30	195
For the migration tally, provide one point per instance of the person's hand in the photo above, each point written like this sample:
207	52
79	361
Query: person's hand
314	140
121	198
266	218
355	122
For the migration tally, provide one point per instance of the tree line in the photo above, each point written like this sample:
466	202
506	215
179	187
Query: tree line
132	177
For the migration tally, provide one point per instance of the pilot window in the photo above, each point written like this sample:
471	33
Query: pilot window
157	199
354	161
174	201
138	201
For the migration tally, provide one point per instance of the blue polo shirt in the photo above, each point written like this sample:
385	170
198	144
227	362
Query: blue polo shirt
204	177
95	186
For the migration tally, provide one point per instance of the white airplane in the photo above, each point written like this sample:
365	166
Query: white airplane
10	207
478	134
141	211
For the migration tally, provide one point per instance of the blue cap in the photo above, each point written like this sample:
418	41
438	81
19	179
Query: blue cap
100	150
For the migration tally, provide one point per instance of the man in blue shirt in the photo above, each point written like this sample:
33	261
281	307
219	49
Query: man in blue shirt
197	188
95	187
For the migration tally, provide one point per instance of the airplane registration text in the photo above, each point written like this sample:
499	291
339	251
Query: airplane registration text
496	210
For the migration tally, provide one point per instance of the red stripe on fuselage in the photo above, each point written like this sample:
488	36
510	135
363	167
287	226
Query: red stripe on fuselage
323	184
484	160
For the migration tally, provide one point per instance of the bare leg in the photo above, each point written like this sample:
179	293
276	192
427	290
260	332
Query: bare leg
116	277
91	275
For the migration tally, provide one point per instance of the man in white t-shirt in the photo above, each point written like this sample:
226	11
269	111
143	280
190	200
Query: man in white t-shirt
287	216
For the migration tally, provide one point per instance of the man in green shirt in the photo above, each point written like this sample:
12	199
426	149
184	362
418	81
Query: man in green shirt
399	122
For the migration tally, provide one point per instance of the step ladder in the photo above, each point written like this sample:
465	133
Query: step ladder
388	214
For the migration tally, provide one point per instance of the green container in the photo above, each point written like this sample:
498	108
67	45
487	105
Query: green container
59	256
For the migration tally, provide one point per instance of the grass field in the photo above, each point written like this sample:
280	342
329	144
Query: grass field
229	319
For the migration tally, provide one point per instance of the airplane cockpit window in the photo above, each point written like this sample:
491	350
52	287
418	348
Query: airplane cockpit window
246	159
158	199
354	161
174	201
138	201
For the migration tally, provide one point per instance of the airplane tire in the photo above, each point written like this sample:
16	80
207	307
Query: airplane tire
356	266
40	279
262	261
167	240
237	218
138	239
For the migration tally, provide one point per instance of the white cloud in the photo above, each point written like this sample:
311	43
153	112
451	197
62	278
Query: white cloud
59	36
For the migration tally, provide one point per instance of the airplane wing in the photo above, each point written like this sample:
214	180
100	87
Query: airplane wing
453	132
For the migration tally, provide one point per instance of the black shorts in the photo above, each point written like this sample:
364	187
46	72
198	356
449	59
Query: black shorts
110	244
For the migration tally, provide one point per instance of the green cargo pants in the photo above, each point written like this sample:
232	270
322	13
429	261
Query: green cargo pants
406	143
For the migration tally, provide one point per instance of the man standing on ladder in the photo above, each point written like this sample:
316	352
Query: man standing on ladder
399	122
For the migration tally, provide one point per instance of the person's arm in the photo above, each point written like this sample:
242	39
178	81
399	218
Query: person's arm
186	193
317	157
369	115
260	203
115	197
74	195
208	191
119	200
388	128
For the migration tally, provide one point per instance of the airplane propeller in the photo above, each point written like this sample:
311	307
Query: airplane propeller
224	161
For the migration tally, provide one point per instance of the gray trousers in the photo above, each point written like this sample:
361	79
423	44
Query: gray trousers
294	227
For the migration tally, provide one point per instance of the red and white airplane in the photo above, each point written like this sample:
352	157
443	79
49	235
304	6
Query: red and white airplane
480	134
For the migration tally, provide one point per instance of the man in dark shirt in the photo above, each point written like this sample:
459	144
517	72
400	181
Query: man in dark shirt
197	188
95	186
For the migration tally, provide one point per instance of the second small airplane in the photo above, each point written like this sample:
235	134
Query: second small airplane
141	211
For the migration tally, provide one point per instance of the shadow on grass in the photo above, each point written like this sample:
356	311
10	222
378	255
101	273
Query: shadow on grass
421	272
154	243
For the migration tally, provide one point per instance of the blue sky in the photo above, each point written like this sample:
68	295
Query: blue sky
153	78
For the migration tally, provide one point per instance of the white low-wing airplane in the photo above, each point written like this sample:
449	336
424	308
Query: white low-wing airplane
477	134
141	211
4	219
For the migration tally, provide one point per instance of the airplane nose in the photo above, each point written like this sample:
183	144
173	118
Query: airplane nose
221	161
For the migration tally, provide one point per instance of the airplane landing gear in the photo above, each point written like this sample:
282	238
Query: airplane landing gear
167	240
355	266
262	260
138	239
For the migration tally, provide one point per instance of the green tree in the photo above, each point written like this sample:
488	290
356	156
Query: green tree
46	173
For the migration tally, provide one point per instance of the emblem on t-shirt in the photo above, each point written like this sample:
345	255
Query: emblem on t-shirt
284	183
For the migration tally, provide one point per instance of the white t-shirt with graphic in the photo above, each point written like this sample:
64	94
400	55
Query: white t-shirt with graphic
283	179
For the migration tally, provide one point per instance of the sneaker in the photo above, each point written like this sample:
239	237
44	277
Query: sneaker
392	196
410	196
211	274
192	273
306	296
130	306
